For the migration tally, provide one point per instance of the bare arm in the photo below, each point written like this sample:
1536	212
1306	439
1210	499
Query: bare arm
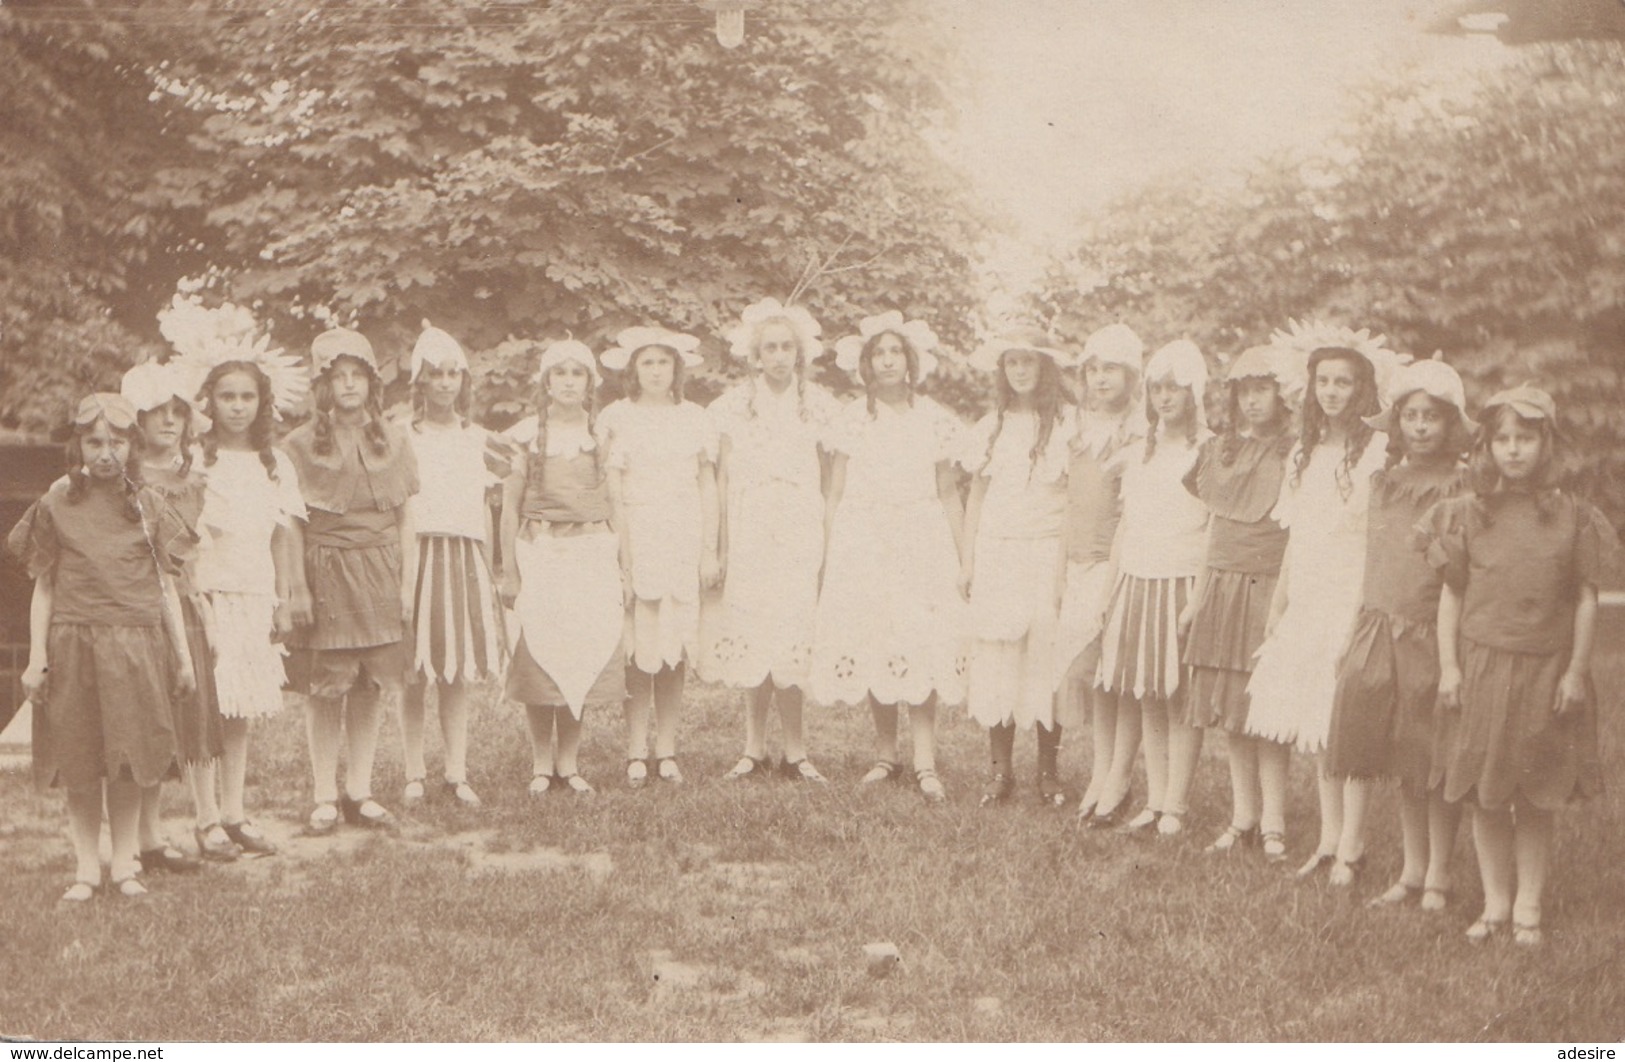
1449	664
1571	689
952	505
175	627
292	590
724	451
617	506
513	492
409	556
40	609
710	562
967	538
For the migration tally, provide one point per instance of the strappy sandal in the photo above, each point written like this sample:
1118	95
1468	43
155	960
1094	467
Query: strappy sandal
1486	929
749	767
668	771
464	794
168	859
1232	837
882	771
129	888
250	838
323	820
80	892
366	812
1400	892
637	774
1274	845
801	770
577	784
931	787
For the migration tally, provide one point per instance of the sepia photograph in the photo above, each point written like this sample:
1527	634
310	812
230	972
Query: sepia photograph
812	521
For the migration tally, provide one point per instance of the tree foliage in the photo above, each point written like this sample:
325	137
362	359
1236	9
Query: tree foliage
1490	226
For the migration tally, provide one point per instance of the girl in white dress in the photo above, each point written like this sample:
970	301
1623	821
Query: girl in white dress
1323	508
562	569
891	626
1159	554
662	453
457	625
757	629
1012	553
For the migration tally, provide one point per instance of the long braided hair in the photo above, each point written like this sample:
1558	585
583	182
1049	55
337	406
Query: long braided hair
374	428
1363	403
866	371
259	432
801	365
130	482
1049	397
538	445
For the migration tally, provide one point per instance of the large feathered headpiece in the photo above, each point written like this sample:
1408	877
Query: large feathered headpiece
1302	338
204	337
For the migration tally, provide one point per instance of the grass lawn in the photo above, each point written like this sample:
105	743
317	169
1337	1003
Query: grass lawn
718	911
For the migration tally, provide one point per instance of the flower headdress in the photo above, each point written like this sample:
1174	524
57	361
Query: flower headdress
742	338
1302	338
204	338
628	341
849	349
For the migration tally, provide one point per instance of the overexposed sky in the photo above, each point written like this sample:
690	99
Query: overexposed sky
1077	100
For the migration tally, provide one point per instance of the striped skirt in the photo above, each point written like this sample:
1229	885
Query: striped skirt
1139	647
458	624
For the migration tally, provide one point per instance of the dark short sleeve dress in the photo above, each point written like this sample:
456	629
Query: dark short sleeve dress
107	711
1519	561
1383	723
1245	547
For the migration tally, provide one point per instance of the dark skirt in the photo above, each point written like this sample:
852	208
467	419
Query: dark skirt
1226	631
1383	714
355	596
108	711
1506	743
199	735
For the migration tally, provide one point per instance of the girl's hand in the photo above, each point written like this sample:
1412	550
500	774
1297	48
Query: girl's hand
1187	615
628	597
710	570
1571	692
301	610
508	587
185	678
406	603
35	679
967	574
1450	689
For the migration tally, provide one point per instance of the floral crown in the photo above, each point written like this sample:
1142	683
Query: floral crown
205	337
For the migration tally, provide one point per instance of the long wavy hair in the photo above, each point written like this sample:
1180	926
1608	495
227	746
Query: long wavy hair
1049	398
866	369
259	431
1278	427
1363	403
634	389
1484	475
79	479
373	431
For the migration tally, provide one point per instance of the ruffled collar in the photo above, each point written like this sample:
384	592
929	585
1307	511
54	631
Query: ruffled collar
1246	489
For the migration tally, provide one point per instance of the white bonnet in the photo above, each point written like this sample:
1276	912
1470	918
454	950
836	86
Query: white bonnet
918	334
1433	378
149	385
1115	344
628	341
564	350
437	347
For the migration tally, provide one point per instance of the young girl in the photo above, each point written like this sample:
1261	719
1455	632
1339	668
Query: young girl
1521	562
758	629
458	626
662	462
561	568
1011	554
1238	477
1323	507
162	395
1159	555
891	627
106	642
1110	427
1383	720
357	473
